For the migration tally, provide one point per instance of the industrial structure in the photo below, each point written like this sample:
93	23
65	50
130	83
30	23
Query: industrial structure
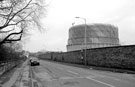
92	36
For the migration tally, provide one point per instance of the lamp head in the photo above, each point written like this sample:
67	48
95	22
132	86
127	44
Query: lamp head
77	17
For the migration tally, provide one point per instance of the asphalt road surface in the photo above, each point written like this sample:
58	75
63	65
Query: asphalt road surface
50	74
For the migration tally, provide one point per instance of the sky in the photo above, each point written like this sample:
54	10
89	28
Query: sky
61	14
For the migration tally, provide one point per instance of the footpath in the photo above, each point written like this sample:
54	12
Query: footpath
23	79
14	77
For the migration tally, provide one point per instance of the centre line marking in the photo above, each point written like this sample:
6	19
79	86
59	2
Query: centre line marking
72	72
101	82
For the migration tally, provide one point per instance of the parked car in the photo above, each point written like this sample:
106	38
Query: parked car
34	62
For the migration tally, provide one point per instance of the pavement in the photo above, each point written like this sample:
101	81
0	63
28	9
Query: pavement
13	75
23	79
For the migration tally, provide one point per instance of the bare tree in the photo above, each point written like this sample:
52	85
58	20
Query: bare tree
18	16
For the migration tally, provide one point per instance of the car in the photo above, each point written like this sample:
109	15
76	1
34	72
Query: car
34	62
30	59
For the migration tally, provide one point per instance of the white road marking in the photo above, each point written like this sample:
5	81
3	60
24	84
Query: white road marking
100	82
66	78
111	78
72	72
99	75
88	73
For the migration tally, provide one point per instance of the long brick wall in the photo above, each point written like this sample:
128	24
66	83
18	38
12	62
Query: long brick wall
120	57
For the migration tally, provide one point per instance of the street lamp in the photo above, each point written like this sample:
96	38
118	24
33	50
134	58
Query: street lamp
85	40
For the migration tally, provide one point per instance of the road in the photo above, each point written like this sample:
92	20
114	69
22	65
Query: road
50	74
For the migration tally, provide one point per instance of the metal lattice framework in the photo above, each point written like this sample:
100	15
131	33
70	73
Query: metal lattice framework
98	35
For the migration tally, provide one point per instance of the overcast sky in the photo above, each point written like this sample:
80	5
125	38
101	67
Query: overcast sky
61	14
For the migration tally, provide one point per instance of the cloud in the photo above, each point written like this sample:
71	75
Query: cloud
61	15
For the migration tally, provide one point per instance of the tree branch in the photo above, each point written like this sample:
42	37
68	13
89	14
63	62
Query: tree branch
12	40
10	19
18	12
7	31
21	15
6	39
22	19
9	15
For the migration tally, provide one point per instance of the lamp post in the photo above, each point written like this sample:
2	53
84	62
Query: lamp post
85	40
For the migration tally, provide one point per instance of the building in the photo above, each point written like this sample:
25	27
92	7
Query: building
97	35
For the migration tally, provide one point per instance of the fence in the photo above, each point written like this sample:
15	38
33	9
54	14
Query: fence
7	65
